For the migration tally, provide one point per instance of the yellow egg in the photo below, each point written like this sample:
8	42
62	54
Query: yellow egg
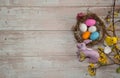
86	35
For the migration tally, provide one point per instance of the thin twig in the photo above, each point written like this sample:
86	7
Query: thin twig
113	18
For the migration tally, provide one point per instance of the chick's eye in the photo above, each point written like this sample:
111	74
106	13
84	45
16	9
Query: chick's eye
111	40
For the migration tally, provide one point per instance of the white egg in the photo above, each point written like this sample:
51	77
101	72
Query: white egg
92	29
83	27
107	49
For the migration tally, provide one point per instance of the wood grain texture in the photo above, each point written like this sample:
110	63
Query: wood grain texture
38	3
34	54
21	18
35	43
42	54
52	67
36	40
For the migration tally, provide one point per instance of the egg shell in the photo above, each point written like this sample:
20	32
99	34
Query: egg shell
86	35
107	50
92	29
94	35
83	27
90	22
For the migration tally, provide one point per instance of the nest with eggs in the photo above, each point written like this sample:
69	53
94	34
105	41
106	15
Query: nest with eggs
89	26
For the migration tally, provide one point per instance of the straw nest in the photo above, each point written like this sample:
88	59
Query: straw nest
99	25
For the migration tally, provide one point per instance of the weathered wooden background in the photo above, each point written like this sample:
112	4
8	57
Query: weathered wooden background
36	40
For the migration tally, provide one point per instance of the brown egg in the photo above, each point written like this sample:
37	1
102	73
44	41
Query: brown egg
86	35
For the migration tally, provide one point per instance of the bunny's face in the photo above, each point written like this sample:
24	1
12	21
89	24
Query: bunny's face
81	46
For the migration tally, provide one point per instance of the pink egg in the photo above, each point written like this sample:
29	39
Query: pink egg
90	22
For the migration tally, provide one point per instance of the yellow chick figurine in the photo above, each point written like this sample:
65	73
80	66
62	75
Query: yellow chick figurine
111	40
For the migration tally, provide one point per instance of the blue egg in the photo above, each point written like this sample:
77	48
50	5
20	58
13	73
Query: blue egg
94	35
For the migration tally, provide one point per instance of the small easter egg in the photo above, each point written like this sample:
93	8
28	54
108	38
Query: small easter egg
90	22
86	35
92	29
83	27
94	35
107	50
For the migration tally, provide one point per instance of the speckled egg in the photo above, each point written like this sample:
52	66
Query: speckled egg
90	22
83	27
92	29
86	35
94	35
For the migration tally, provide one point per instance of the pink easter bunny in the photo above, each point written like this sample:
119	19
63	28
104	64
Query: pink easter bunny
84	52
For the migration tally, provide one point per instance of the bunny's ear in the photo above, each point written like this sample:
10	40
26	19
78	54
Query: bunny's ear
87	41
78	45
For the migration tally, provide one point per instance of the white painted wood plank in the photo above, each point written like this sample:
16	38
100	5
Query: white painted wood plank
46	63
42	63
43	54
44	67
37	43
20	18
70	73
57	2
4	2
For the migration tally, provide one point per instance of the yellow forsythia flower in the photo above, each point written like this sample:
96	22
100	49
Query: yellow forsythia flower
117	56
103	59
100	50
117	47
108	19
92	65
91	69
116	14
